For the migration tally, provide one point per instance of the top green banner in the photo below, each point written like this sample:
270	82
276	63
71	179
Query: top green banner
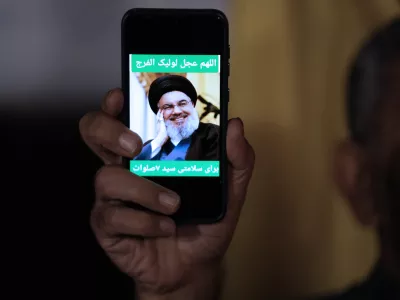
175	63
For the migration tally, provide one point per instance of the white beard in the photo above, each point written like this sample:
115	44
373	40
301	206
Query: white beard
181	132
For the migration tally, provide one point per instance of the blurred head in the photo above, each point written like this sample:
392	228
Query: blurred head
367	164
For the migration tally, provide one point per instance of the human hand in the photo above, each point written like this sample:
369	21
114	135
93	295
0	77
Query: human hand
165	261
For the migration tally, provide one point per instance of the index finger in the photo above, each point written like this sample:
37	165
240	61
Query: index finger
159	114
108	137
162	115
115	183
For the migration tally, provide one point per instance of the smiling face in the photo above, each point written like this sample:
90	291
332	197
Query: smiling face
180	115
176	107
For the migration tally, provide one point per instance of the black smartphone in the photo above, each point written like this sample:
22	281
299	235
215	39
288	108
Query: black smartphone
175	69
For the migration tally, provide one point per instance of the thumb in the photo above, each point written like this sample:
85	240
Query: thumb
241	159
240	153
113	102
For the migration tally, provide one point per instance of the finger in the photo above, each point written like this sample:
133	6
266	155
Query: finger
162	116
118	183
107	136
240	154
113	102
241	157
117	220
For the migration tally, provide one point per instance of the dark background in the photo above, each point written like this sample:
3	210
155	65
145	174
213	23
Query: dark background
57	60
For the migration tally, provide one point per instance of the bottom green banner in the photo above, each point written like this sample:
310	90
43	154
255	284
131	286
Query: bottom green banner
175	168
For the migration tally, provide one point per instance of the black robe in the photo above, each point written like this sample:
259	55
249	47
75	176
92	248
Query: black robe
204	145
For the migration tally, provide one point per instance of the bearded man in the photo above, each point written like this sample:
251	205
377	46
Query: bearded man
180	134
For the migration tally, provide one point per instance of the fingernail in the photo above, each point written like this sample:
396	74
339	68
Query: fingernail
109	93
127	142
167	226
169	200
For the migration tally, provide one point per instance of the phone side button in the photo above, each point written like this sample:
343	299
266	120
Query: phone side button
229	69
229	95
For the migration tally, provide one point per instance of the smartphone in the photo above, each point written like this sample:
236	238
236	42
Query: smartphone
175	69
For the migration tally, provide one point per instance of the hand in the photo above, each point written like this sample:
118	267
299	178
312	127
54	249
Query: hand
162	135
165	262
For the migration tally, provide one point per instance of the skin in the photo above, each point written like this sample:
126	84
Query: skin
174	106
363	174
164	261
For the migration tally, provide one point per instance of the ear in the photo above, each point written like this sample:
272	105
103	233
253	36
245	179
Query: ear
353	180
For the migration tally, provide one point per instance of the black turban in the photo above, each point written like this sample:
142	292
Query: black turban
170	83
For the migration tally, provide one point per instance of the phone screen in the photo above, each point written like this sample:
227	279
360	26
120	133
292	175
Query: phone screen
175	109
175	69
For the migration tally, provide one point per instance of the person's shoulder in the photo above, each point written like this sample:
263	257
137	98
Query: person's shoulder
376	285
355	292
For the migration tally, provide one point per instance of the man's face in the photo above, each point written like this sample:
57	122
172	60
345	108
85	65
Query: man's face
180	116
369	175
176	107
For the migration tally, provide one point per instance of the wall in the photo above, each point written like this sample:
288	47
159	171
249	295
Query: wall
289	58
296	235
66	54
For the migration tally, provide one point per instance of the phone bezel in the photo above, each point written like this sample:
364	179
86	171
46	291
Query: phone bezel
211	37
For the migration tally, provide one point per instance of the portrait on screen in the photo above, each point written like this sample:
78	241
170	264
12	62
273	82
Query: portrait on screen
176	114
